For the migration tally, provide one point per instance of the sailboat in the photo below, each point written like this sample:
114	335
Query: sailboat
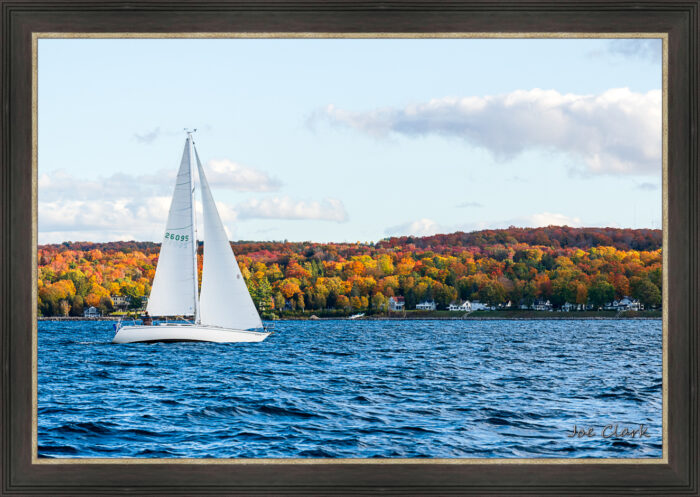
224	311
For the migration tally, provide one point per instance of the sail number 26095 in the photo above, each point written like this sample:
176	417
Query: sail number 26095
177	238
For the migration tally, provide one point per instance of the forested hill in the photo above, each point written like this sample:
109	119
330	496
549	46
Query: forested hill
590	266
555	237
551	236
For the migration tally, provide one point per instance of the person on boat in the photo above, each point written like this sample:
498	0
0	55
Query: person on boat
147	320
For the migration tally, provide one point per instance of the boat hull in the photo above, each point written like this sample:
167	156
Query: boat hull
185	333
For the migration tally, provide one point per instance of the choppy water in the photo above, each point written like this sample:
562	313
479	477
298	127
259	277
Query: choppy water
355	389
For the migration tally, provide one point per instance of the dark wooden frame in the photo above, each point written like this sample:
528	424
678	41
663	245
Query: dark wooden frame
679	476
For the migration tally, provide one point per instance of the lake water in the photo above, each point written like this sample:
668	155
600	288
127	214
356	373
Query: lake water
355	389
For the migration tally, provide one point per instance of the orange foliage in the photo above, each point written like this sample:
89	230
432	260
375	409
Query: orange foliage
508	265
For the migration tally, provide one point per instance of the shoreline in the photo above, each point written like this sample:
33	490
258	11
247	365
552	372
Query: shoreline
397	318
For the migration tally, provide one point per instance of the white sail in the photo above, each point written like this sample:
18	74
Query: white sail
175	283
224	299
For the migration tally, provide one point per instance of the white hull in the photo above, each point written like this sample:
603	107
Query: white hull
185	333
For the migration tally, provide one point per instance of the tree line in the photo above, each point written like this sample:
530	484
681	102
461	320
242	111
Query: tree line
589	266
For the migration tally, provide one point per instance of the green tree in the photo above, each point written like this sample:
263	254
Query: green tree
261	293
529	294
444	294
379	302
106	305
601	293
77	306
300	304
563	291
647	293
493	293
279	301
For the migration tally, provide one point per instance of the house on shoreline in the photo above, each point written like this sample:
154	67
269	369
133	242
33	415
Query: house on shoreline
91	312
543	305
624	304
465	306
397	304
426	306
120	302
480	306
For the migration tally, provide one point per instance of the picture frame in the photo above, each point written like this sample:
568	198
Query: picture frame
675	474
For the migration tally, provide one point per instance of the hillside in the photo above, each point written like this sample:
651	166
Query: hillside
560	264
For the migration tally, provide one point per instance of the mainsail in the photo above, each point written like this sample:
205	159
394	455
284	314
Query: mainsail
174	290
224	299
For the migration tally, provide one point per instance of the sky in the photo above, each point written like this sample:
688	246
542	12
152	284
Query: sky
345	140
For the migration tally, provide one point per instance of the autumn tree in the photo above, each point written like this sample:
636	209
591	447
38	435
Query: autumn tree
601	293
647	292
562	264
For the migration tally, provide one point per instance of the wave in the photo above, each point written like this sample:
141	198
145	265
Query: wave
86	427
365	389
56	449
284	411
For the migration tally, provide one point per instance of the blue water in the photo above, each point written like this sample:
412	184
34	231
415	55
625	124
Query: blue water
355	389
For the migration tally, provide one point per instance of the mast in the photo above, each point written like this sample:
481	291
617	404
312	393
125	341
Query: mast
194	229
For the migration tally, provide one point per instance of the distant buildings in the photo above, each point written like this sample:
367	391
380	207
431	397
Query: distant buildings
568	307
397	303
120	302
480	306
542	305
465	306
426	306
624	304
91	312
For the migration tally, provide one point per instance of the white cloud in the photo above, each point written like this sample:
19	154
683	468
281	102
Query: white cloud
57	185
148	137
648	186
615	132
469	204
421	227
103	220
329	209
641	48
130	207
538	220
224	174
110	220
552	219
428	227
228	174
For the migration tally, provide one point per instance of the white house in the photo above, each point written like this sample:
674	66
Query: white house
568	307
465	306
480	306
542	305
396	303
426	306
624	304
629	304
91	312
120	302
